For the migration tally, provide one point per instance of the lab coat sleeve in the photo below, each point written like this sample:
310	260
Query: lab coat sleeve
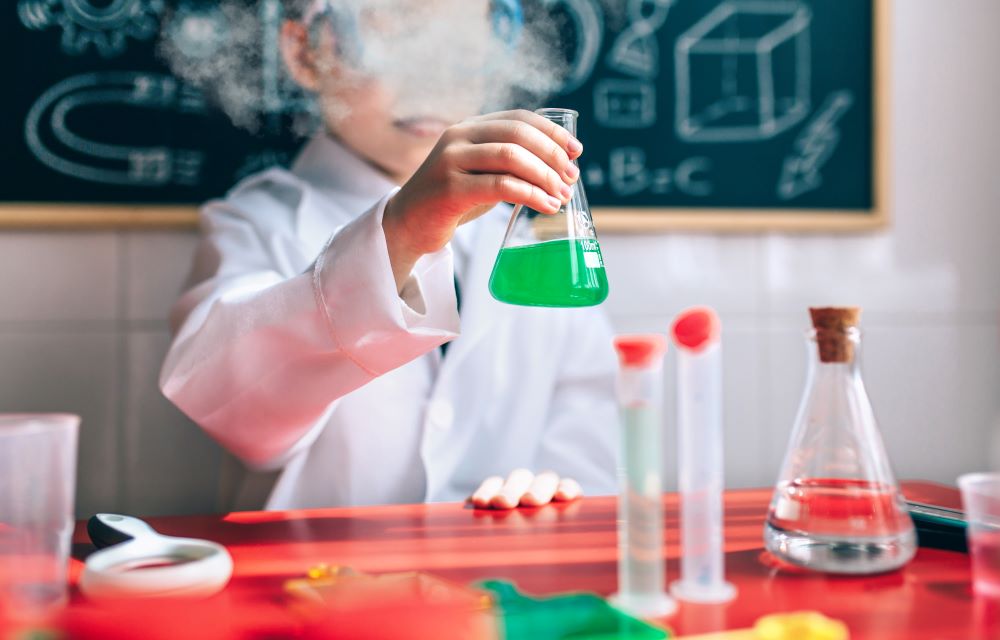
260	358
582	432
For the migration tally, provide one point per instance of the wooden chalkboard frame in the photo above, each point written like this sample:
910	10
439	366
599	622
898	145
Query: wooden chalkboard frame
97	216
16	215
653	219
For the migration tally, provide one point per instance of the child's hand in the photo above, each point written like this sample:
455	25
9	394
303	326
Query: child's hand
525	489
513	156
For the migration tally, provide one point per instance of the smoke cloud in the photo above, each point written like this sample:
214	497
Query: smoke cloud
442	58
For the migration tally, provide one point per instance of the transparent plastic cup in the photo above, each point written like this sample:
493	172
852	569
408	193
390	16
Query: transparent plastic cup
37	485
981	501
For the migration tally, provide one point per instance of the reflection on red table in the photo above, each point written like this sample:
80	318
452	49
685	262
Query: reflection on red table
551	549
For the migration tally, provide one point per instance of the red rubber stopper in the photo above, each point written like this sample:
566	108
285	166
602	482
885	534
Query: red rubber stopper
695	328
640	350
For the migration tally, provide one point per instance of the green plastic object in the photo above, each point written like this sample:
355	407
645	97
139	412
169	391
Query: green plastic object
569	616
557	273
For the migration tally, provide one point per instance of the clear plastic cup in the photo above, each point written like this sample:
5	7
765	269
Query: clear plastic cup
981	501
37	486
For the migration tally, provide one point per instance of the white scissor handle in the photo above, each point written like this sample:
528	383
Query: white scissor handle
141	562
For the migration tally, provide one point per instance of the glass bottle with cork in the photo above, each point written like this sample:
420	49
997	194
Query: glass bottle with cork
837	507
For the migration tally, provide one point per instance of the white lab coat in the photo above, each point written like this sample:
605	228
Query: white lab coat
294	350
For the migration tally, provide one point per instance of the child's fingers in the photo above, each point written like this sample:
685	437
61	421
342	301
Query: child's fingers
487	490
568	489
560	135
517	483
496	187
542	489
501	157
532	139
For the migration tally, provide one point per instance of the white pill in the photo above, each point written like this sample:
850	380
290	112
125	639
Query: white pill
541	490
489	488
568	489
517	483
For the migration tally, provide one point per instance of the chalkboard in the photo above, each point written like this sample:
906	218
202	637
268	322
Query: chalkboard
728	113
732	114
95	120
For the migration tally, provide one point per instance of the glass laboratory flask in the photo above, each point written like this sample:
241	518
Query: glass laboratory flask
551	260
836	507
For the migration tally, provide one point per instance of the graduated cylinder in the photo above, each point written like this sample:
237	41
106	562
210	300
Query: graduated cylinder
641	569
700	464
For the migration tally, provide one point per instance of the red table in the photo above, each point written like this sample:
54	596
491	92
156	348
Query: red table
569	547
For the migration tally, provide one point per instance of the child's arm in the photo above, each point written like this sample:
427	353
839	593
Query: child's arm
513	156
262	355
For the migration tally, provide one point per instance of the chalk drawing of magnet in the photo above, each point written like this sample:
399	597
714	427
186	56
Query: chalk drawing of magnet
50	135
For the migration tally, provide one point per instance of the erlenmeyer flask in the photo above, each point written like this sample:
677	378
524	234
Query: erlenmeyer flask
551	260
837	507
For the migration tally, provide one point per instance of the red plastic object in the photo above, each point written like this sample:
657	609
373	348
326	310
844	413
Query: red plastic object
640	350
696	328
556	548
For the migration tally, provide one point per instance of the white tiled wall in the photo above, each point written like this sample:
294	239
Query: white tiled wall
83	325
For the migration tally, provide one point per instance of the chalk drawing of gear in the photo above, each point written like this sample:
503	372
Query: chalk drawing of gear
105	24
51	140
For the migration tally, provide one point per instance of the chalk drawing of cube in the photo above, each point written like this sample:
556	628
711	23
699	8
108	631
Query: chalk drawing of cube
743	72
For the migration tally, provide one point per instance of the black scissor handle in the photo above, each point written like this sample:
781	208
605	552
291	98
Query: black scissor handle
109	529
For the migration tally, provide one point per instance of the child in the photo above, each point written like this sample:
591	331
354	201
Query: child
321	338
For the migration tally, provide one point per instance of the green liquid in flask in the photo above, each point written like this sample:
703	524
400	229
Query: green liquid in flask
557	273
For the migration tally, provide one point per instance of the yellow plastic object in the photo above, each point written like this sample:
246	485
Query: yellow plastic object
803	625
342	587
391	605
800	625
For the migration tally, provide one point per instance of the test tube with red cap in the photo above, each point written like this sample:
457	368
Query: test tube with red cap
699	442
641	570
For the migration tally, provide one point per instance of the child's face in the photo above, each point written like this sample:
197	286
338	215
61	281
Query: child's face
389	90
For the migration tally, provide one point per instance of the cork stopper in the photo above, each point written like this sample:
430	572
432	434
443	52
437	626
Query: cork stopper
833	326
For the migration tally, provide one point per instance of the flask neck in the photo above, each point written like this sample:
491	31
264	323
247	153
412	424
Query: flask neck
834	383
838	375
565	118
827	369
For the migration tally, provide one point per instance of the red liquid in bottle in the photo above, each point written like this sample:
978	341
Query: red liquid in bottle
838	525
839	507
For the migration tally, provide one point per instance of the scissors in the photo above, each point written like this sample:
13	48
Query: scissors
134	560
